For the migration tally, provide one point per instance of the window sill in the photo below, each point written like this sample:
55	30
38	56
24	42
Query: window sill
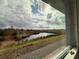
60	53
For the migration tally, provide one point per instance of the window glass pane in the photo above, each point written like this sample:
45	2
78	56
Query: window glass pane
30	29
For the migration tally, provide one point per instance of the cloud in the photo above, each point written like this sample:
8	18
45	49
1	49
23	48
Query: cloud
19	13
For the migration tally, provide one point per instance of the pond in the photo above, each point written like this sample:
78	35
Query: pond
35	36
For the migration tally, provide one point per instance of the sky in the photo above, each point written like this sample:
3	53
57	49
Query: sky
30	14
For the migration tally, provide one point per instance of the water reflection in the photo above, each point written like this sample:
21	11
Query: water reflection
35	36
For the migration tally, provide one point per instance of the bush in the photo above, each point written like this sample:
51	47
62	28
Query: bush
1	33
14	33
1	38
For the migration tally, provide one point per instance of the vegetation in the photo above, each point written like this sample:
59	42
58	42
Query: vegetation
14	36
18	34
27	46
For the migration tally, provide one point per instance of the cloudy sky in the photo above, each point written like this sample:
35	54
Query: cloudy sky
30	14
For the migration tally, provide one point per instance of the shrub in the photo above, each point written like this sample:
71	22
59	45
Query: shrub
1	38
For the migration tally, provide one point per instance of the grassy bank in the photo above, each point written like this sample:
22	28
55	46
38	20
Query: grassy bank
26	47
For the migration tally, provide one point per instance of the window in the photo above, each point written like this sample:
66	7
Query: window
30	29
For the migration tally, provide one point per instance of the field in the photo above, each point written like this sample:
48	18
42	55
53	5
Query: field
13	50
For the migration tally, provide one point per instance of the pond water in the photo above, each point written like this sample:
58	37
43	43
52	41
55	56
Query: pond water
35	36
